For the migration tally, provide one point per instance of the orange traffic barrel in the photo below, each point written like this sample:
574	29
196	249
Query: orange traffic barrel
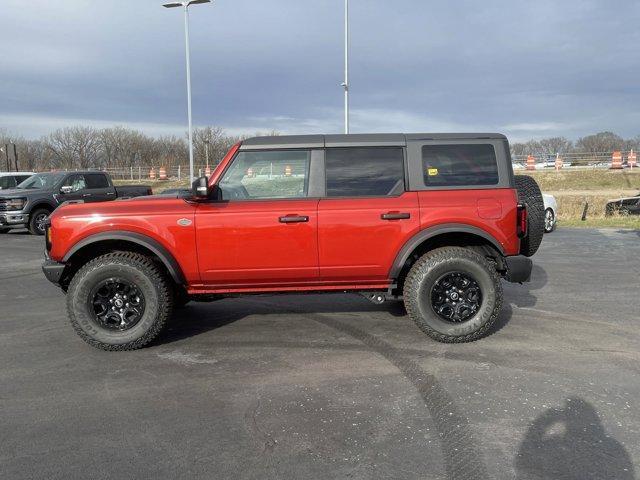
287	170
531	162
616	161
632	159
207	171
163	174
152	174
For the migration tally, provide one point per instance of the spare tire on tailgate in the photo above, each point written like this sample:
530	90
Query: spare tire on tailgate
530	195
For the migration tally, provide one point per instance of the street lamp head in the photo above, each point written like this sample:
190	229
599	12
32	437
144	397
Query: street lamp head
184	4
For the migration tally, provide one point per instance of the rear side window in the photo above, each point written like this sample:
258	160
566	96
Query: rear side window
96	180
7	182
364	172
459	165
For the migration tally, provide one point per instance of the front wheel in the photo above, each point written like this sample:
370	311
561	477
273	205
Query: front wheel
119	301
38	221
549	221
453	294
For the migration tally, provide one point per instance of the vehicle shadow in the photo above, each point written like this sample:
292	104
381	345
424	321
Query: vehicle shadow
627	232
198	318
523	295
571	443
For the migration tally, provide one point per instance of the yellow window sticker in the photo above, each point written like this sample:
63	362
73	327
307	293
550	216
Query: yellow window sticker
432	172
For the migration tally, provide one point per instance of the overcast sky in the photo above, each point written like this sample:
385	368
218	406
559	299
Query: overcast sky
524	68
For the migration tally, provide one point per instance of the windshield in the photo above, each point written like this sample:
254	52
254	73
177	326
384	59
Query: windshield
41	180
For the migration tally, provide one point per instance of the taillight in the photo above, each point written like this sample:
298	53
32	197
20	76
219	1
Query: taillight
522	221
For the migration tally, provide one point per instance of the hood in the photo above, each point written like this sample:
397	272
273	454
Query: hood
16	192
138	206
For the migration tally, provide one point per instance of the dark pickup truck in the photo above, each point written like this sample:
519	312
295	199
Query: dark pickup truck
30	203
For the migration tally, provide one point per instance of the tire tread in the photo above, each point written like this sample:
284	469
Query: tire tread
416	275
158	278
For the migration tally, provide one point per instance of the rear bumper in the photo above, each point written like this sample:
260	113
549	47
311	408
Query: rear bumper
53	270
518	269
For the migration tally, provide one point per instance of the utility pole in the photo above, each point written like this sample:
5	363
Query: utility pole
185	5
345	84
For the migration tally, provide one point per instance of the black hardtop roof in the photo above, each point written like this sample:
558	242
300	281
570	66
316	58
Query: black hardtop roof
358	139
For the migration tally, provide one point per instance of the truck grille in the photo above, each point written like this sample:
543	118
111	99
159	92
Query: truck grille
3	205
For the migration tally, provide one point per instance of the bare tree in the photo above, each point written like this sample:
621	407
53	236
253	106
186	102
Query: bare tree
553	145
600	143
74	147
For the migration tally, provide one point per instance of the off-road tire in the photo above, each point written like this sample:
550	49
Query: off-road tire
145	275
530	195
428	270
33	221
4	230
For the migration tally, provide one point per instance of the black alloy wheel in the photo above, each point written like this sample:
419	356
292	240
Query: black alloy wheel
117	304
456	297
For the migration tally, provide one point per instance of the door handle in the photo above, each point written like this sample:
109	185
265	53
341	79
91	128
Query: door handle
86	194
294	219
395	216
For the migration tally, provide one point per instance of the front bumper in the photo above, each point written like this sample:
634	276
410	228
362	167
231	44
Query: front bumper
519	269
13	218
53	270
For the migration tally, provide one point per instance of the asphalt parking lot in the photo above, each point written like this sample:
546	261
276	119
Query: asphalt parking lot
332	386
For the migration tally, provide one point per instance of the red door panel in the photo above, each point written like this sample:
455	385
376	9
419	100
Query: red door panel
257	242
356	243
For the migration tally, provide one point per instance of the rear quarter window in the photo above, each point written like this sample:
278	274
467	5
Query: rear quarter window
456	165
96	180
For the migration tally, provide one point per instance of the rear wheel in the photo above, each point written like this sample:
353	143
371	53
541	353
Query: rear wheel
453	294
549	221
530	195
119	301
4	230
37	221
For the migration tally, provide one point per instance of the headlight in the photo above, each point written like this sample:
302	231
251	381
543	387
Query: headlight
15	203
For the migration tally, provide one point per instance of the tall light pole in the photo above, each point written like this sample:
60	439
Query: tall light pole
185	5
345	84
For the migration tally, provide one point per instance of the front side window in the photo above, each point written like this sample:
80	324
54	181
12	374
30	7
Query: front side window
76	182
364	172
273	174
459	165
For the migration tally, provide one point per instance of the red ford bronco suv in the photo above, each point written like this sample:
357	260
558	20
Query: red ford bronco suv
435	219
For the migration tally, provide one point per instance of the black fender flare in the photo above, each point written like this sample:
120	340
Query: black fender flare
144	241
427	233
41	204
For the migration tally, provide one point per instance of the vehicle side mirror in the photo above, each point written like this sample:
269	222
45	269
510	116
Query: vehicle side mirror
200	188
66	189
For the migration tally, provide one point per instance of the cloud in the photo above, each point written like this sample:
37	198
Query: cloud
544	68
